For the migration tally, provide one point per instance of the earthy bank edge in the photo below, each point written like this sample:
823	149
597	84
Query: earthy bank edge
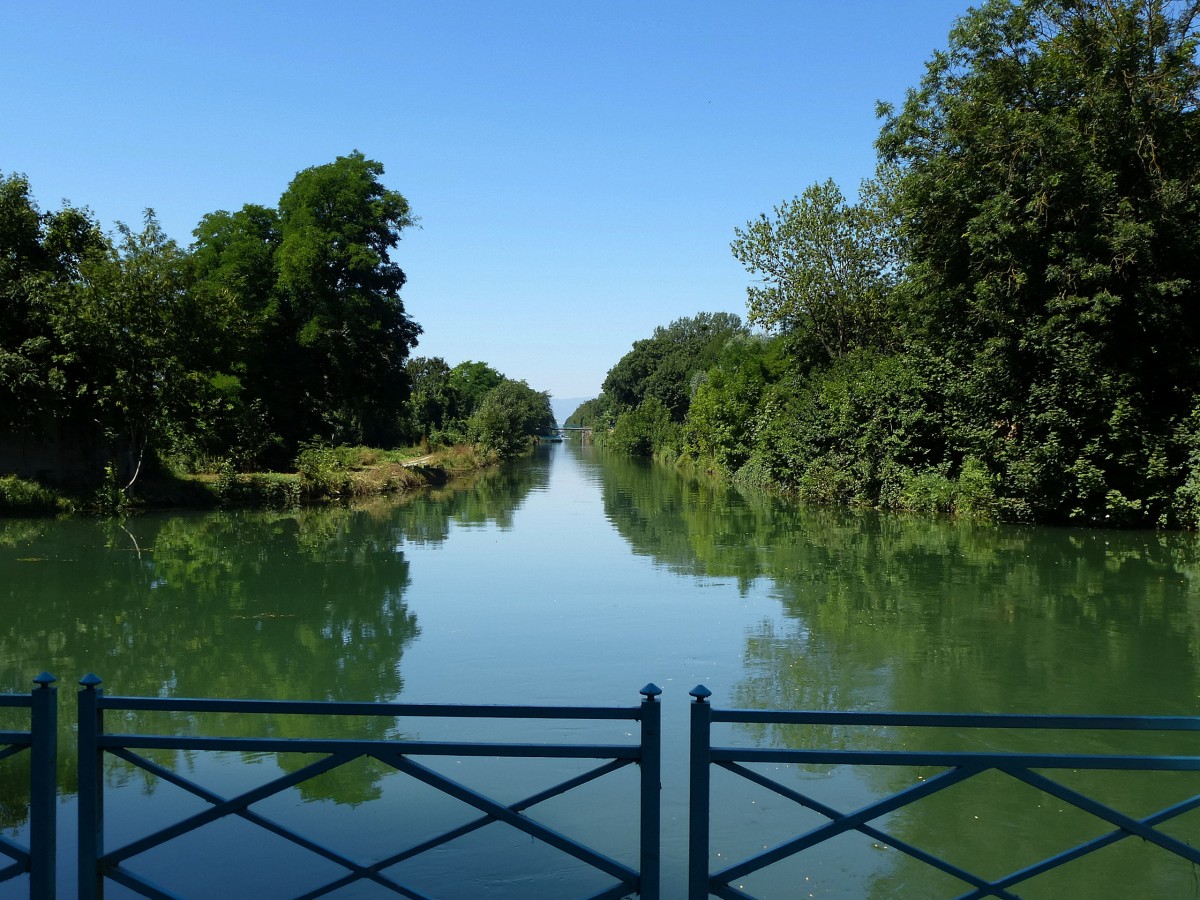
324	475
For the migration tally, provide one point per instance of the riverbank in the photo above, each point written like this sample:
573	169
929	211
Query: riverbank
323	475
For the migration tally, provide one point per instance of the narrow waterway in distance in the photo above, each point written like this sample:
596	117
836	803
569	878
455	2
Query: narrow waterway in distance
577	577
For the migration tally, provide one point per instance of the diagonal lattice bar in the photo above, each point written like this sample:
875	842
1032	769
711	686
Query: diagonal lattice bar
869	830
1087	847
225	808
13	871
13	851
1100	810
358	871
11	749
503	814
467	828
849	822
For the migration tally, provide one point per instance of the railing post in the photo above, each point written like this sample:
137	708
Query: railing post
698	794
43	788
651	765
91	789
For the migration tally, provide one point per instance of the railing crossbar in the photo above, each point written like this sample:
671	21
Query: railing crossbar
616	892
948	759
13	745
14	870
1102	811
990	721
868	830
504	814
367	710
136	883
1085	848
14	852
413	748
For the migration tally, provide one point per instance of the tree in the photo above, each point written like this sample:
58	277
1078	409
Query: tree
509	416
470	382
826	267
325	331
39	253
1048	204
339	297
233	259
665	365
129	338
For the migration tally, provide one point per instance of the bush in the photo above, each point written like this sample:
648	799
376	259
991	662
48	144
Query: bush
19	497
275	491
646	430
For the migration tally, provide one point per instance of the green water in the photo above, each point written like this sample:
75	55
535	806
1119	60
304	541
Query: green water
577	578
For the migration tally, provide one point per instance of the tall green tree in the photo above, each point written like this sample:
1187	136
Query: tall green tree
325	333
826	268
131	340
470	383
339	295
39	254
1049	201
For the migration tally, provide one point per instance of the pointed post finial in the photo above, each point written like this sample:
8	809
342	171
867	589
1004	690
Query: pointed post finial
90	681
650	691
700	692
45	680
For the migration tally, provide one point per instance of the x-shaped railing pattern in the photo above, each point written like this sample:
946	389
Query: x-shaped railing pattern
110	863
398	754
955	769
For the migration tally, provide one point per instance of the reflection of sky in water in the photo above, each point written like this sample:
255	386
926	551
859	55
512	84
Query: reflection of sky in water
580	580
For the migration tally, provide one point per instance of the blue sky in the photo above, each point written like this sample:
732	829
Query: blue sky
578	166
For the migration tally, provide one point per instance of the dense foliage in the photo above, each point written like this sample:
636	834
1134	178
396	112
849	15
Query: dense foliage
278	329
1005	321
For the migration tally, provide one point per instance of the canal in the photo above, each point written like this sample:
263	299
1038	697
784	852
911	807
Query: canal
577	577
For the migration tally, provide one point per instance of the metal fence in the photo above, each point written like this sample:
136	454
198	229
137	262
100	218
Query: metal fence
37	860
957	767
98	863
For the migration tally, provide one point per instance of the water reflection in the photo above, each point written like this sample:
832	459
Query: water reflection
896	613
305	604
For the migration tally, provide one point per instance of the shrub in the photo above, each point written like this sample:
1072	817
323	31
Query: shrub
19	497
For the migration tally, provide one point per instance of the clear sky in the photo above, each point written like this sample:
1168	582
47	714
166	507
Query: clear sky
578	166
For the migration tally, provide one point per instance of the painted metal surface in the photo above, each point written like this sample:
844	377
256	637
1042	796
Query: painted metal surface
99	864
957	767
41	741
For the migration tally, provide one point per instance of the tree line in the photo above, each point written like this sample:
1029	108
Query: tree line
1003	322
277	328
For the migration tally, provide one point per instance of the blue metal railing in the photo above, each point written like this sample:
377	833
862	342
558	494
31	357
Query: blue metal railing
98	863
41	741
957	767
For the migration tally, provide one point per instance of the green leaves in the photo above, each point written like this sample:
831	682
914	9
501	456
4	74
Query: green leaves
509	416
825	269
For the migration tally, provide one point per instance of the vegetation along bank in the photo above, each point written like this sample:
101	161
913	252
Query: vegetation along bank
1004	322
242	369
